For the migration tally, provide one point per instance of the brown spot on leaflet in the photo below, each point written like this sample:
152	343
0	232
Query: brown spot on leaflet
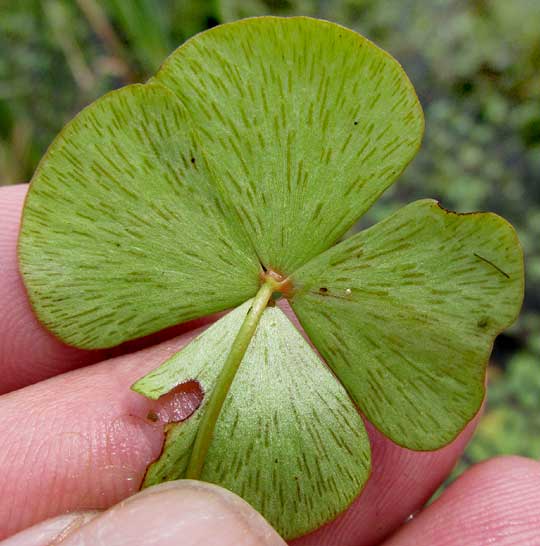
483	322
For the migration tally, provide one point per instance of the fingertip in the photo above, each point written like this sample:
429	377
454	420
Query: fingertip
183	512
494	502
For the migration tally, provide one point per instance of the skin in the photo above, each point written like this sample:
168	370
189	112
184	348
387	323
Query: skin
76	441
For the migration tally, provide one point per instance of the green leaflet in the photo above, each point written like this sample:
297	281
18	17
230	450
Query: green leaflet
123	232
288	440
406	312
305	123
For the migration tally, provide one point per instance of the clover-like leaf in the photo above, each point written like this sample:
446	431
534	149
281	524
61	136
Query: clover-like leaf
304	122
405	313
288	440
226	179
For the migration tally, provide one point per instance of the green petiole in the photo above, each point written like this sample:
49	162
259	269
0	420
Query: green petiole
213	407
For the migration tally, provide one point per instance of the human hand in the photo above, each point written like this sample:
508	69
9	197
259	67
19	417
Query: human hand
76	440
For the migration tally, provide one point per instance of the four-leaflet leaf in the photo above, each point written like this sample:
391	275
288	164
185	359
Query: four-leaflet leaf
227	177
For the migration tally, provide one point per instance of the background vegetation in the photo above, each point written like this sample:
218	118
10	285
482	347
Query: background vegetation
474	63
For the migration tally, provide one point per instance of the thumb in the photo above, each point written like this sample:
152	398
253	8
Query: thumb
183	512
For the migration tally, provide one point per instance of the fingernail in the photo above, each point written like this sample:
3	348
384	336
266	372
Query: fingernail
183	512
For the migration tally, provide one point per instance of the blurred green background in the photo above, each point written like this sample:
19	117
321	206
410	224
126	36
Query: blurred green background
474	63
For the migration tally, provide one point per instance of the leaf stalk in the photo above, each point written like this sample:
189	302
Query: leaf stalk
225	378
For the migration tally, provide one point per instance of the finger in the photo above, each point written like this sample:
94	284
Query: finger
28	352
83	441
50	532
496	502
183	512
401	482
